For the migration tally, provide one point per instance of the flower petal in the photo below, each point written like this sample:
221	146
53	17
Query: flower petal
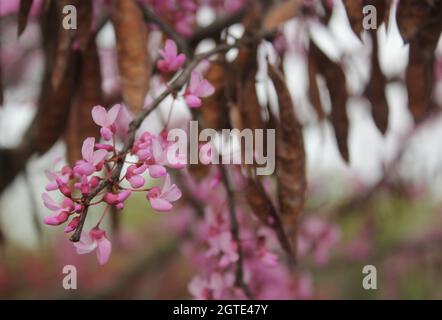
157	171
170	49
99	115
204	89
160	204
49	202
177	62
98	156
194	82
112	115
104	249
84	247
136	181
172	194
87	150
193	101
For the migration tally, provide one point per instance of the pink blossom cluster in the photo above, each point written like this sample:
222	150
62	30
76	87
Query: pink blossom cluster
153	155
98	159
215	253
172	61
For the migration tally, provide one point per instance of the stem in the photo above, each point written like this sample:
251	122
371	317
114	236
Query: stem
234	229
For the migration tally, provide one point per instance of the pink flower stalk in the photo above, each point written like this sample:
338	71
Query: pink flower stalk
106	120
92	160
172	61
197	88
160	199
117	199
61	212
95	240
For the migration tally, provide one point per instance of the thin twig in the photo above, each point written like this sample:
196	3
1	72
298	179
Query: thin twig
234	229
150	16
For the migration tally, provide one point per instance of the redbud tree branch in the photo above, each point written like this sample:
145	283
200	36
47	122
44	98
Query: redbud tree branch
174	87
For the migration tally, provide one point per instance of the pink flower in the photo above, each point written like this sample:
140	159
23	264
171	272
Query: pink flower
106	120
61	212
222	243
160	199
197	88
158	153
184	22
86	186
62	175
95	240
72	225
121	124
214	287
133	175
92	160
171	61
164	155
117	199
318	237
142	145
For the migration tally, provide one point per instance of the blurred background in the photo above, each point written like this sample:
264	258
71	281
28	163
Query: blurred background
386	203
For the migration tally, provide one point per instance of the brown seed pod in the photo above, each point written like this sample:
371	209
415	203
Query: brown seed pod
23	13
133	58
313	89
84	17
213	109
420	72
80	124
290	158
54	103
413	15
375	91
355	15
281	12
336	82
